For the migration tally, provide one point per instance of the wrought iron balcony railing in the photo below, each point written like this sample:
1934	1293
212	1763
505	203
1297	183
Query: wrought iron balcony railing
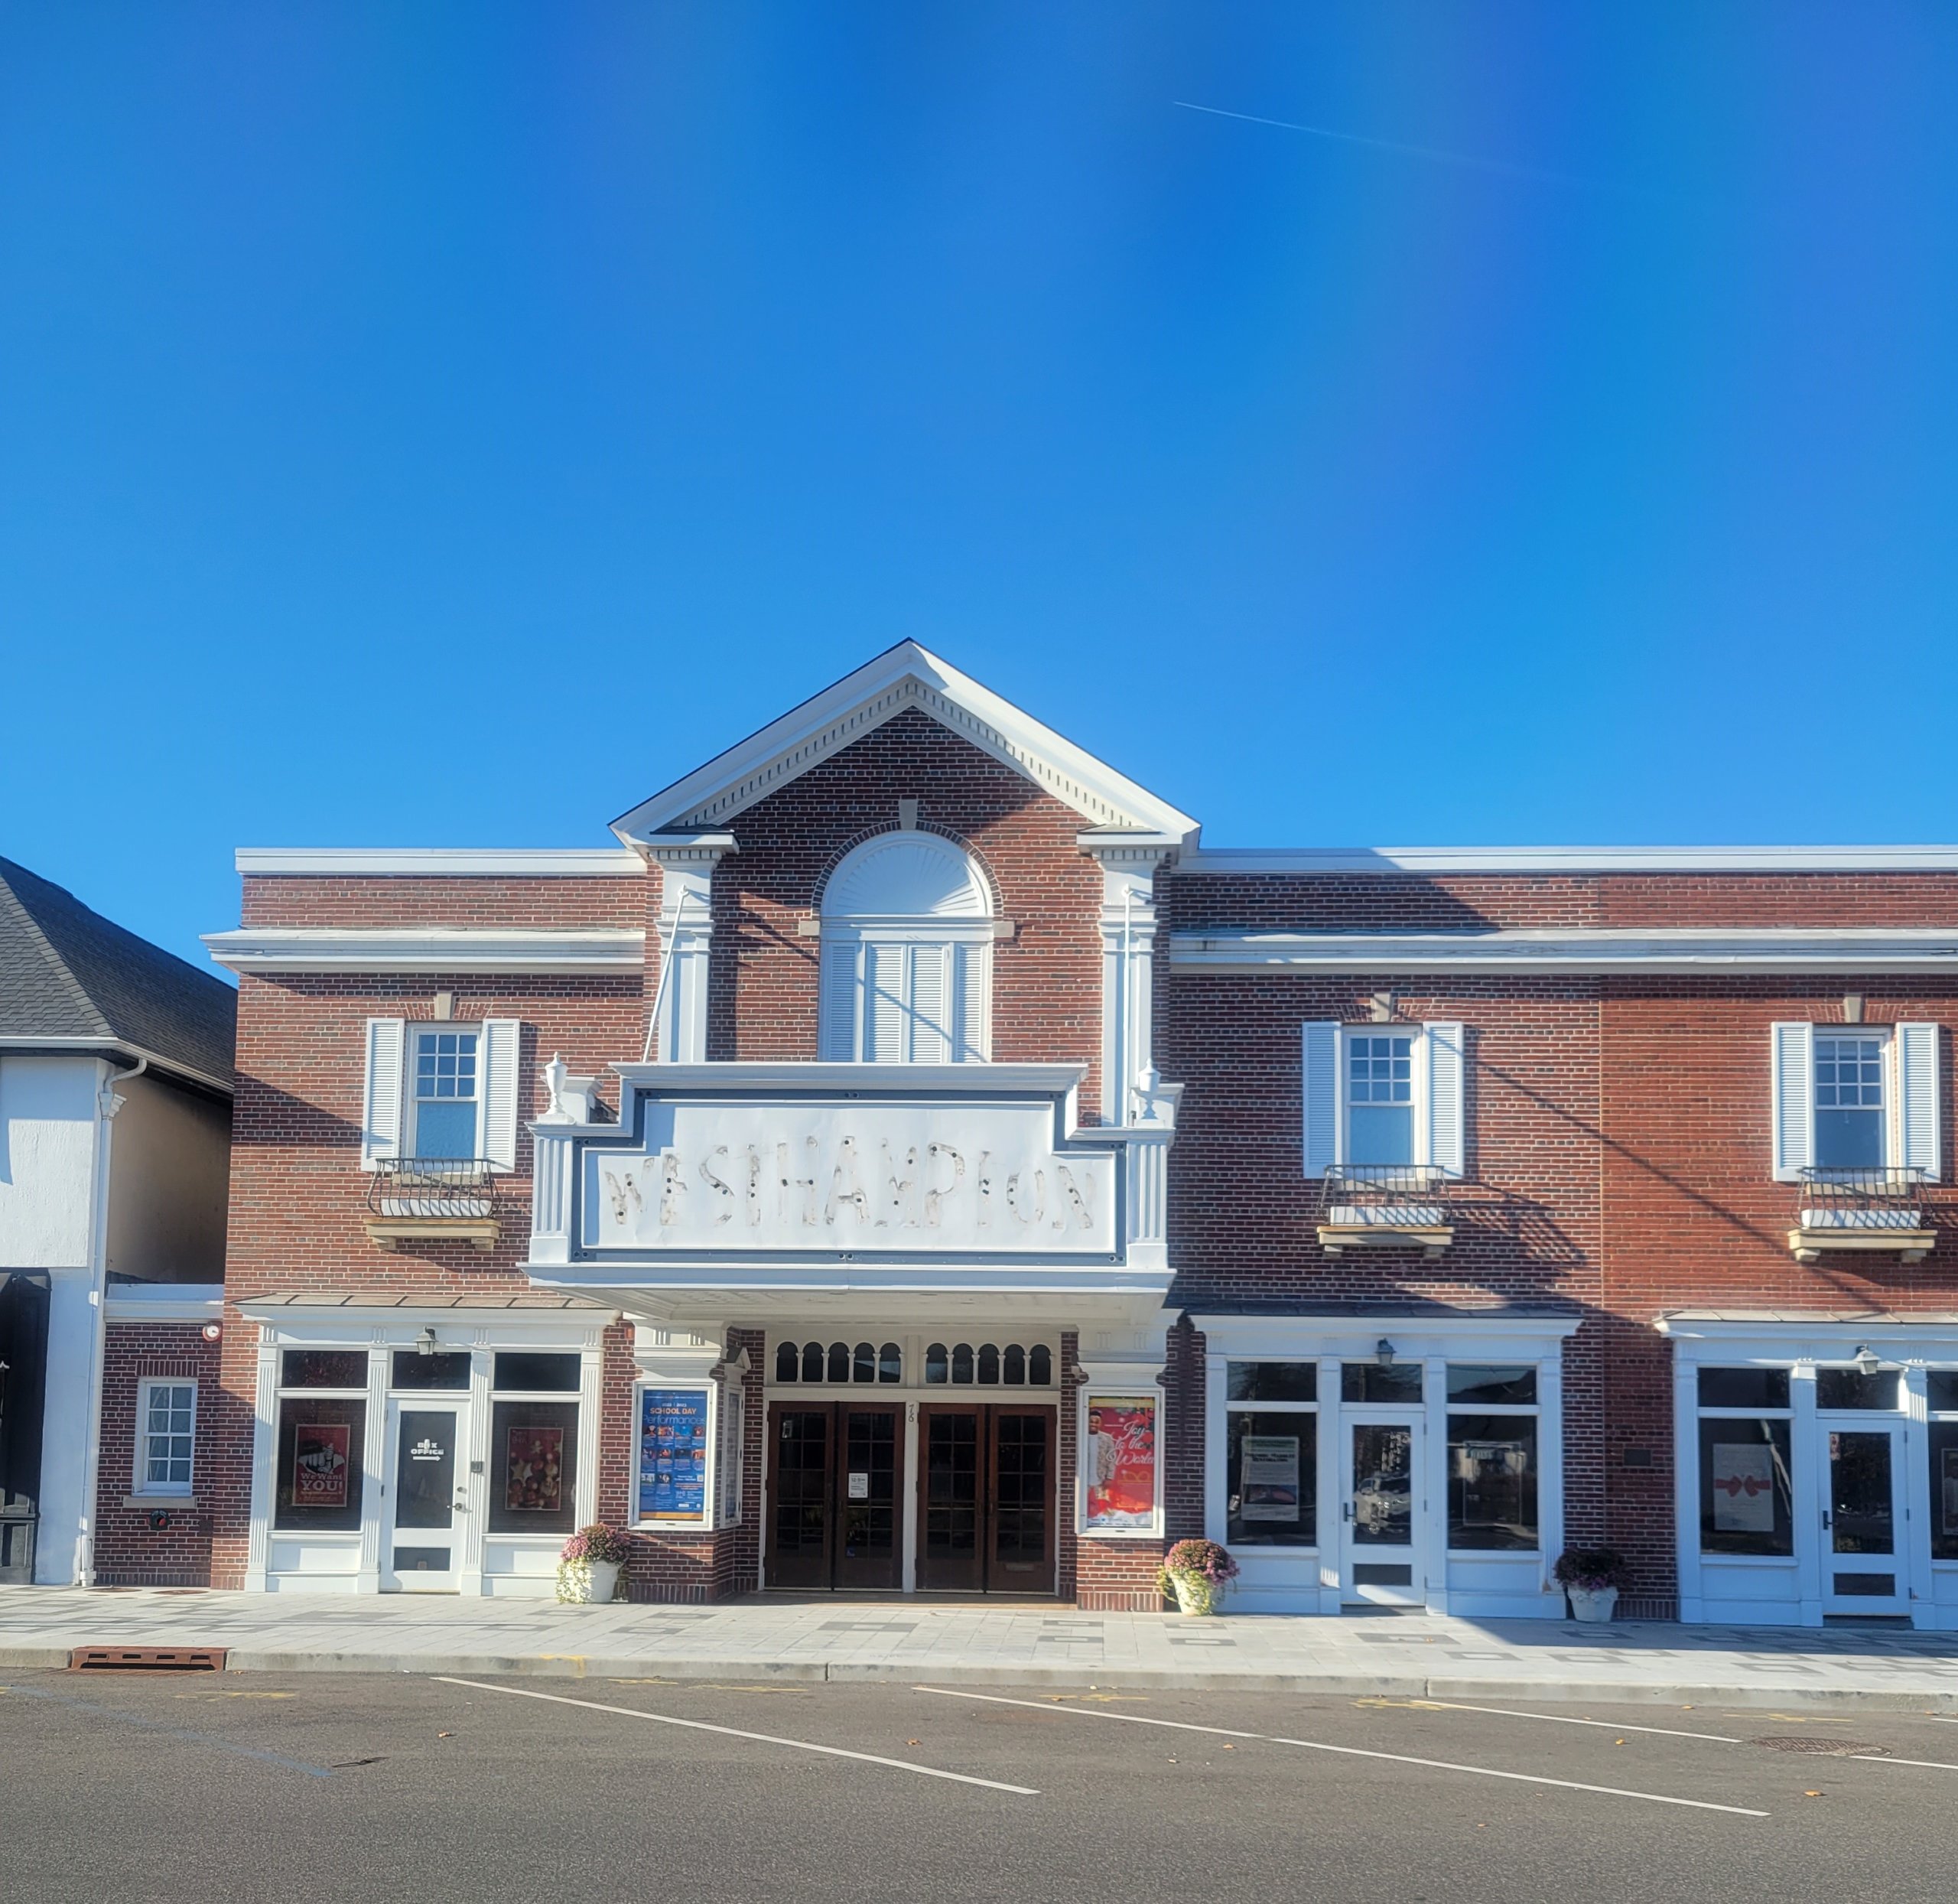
1360	1203
432	1197
1869	1210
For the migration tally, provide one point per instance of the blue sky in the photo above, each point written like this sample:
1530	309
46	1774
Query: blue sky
426	424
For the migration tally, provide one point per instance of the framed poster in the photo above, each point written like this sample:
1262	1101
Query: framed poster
673	1454
534	1475
1743	1487
1268	1484
1118	1452
322	1461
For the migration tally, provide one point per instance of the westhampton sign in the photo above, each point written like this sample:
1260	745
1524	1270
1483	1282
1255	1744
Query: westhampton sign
851	1177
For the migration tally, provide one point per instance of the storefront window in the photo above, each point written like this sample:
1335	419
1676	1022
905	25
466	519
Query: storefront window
1746	1488
1944	1489
1851	1388
1503	1387
1273	1380
444	1369
1492	1482
1272	1478
533	1465
324	1369
1377	1381
321	1448
1743	1387
537	1374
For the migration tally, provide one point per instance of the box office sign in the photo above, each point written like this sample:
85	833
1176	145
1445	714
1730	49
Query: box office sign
673	1454
1120	1455
857	1177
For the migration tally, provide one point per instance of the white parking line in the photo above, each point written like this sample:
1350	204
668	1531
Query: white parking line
734	1732
1883	1758
1351	1751
1549	1718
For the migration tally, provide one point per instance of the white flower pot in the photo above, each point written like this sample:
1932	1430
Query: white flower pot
1195	1594
582	1582
1592	1602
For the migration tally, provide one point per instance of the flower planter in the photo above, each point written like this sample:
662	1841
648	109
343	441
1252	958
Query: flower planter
1592	1602
580	1582
1196	1595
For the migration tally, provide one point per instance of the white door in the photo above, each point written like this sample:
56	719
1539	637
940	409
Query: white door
422	1509
1382	1514
1865	1556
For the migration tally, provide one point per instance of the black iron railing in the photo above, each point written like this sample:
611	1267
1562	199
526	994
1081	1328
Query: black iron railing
431	1188
1861	1200
1386	1196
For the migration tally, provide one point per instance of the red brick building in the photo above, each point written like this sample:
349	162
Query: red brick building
911	1160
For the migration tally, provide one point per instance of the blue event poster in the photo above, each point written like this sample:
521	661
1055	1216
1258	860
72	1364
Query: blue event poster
673	1454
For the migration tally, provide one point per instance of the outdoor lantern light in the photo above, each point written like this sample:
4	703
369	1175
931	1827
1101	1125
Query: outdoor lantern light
1383	1353
1868	1360
424	1343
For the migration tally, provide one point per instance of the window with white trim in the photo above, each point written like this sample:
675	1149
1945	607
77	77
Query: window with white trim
1856	1098
1849	1121
445	1104
442	1092
166	1436
1386	1097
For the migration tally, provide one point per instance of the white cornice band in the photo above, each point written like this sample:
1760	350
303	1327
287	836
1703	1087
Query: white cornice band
1682	949
429	862
348	949
1229	861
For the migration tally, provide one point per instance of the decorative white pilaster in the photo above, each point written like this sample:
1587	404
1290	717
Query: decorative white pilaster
686	936
1128	862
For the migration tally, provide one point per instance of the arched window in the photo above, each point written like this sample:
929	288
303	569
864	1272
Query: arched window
907	954
989	1365
1040	1365
1016	1370
812	1361
890	1363
961	1362
864	1363
786	1357
937	1368
839	1361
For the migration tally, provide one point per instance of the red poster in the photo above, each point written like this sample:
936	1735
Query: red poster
535	1481
320	1464
1121	1461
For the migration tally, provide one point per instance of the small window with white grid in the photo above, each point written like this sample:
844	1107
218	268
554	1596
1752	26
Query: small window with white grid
446	1096
166	1432
1849	1102
1380	1098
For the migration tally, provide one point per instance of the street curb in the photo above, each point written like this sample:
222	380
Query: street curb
1941	1700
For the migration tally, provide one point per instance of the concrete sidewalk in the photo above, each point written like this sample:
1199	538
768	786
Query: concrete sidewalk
1409	1656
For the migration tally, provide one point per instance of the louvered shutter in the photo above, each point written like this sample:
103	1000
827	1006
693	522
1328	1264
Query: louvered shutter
836	1039
1793	1100
1917	1099
929	1018
502	1089
381	1092
973	967
1447	1127
1321	1078
884	1002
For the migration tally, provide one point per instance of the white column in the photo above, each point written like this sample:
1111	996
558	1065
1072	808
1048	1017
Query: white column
1128	862
686	938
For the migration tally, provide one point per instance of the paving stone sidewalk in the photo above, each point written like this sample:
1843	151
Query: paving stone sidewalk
1407	1656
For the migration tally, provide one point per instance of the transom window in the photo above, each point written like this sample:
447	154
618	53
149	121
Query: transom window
446	1095
1380	1098
838	1362
989	1365
1849	1102
168	1414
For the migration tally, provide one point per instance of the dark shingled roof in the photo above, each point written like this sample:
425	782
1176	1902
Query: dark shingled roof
67	973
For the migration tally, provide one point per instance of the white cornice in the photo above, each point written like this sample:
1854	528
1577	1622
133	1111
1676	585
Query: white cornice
1223	862
905	676
1654	949
164	1302
109	1048
880	1080
432	948
431	862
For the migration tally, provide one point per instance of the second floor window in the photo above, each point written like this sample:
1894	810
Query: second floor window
1848	1103
446	1098
1380	1098
1853	1099
1385	1098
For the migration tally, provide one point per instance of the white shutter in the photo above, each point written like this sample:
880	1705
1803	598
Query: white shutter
885	994
1917	1095
502	1090
1793	1100
836	1012
1448	1127
973	965
931	1017
381	1092
1320	1080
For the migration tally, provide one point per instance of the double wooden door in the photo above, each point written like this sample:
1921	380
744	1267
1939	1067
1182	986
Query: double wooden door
834	1498
985	1498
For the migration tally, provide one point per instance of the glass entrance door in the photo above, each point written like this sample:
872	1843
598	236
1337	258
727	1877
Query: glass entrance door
833	1518
867	1548
1380	1513
1865	1567
950	1457
986	1499
799	1488
422	1521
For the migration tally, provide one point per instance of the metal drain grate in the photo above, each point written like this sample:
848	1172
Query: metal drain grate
173	1659
1823	1748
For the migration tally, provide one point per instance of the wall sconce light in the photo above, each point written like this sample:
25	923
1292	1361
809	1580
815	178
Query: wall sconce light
424	1343
1868	1361
1383	1353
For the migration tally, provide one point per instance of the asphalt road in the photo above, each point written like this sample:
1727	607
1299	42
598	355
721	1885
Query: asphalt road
148	1787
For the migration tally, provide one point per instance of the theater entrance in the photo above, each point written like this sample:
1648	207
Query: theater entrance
834	1504
985	1498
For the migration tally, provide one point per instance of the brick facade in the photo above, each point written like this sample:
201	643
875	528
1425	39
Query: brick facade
166	1540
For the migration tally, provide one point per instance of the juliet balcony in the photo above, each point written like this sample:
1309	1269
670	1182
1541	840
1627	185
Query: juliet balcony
433	1199
1879	1211
1374	1206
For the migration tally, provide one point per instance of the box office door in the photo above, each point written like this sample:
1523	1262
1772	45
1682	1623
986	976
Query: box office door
1865	1566
421	1523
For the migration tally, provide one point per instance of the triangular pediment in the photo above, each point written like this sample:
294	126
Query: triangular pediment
901	678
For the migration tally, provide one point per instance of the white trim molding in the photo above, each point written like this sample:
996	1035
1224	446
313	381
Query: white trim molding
441	862
1228	861
427	948
164	1302
1643	948
903	677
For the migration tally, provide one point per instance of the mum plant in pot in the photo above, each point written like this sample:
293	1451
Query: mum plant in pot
1196	1572
588	1564
1593	1577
